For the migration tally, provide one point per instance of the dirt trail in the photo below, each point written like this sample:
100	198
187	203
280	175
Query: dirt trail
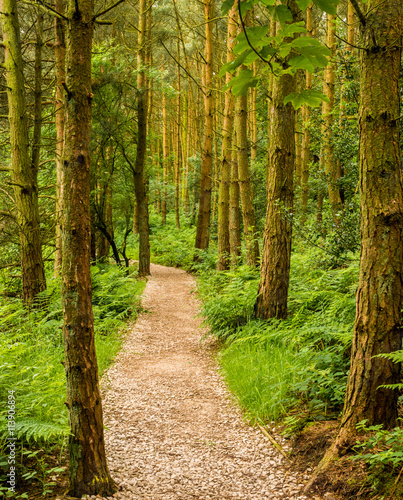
173	432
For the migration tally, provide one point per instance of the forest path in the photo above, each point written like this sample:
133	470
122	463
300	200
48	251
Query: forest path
172	430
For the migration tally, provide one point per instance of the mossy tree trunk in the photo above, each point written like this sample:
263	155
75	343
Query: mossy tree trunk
88	467
24	172
377	327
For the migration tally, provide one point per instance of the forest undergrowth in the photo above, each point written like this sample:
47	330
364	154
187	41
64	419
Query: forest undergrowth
292	373
32	353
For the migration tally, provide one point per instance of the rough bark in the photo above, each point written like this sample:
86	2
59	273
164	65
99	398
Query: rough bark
139	175
224	249
377	327
203	219
177	140
327	154
60	58
275	267
88	467
248	211
23	173
234	217
306	138
165	159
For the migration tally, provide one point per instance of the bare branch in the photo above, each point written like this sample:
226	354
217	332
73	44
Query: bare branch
108	9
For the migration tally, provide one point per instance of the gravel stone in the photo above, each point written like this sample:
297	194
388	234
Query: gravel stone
173	430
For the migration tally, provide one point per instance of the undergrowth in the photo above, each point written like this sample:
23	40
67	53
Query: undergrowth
275	367
31	350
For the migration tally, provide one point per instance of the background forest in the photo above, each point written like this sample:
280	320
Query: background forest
201	113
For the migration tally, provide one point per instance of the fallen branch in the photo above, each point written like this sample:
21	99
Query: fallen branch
266	433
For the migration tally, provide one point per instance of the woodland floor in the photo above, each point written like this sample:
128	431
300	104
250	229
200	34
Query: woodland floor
173	430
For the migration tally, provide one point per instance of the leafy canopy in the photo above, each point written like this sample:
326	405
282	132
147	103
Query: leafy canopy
285	53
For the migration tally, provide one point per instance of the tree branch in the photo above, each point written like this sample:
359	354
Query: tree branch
108	9
48	8
359	12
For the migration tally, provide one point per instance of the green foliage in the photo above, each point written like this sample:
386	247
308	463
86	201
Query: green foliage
382	452
274	366
174	247
32	350
281	55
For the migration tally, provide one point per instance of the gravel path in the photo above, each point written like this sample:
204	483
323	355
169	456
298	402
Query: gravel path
172	430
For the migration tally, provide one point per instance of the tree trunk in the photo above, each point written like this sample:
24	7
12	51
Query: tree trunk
248	211
165	160
327	153
224	249
275	268
60	57
253	118
377	327
234	222
88	467
24	173
139	177
203	219
306	138
177	140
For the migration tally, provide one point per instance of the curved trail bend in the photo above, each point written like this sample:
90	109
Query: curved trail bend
172	430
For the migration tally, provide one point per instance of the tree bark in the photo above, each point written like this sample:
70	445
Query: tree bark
139	177
224	249
24	173
275	268
306	138
88	467
248	211
203	219
60	57
327	153
377	327
165	159
234	218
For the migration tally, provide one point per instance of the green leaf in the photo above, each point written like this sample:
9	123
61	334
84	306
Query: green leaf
306	41
301	62
245	6
282	14
233	65
329	6
242	82
226	6
303	4
311	98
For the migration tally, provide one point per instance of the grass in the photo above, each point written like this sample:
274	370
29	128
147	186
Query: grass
274	367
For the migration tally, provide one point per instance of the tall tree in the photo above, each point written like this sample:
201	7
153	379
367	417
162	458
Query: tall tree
60	58
275	268
226	155
203	219
377	327
24	171
245	188
88	467
139	168
306	138
327	153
